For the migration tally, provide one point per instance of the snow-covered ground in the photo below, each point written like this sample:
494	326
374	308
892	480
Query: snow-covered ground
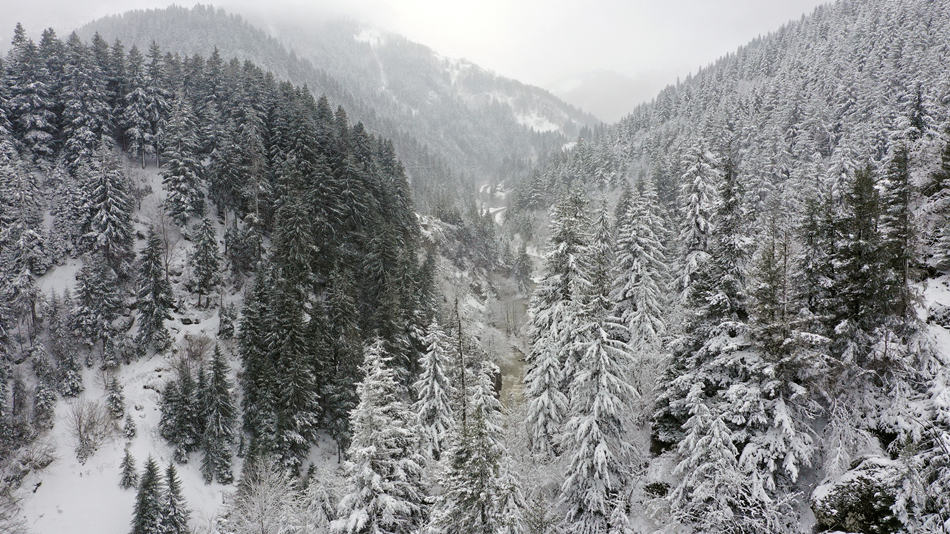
72	497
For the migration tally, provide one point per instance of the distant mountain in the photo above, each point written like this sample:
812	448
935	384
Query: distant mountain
606	94
476	122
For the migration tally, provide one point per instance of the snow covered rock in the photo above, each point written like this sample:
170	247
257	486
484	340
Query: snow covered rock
939	315
861	499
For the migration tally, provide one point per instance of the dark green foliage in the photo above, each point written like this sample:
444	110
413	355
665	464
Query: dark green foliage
205	261
149	509
115	400
219	415
183	417
174	510
107	211
154	296
863	502
130	476
97	301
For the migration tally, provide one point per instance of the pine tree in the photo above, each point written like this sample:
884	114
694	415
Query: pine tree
173	508
182	421
897	233
115	400
181	175
86	115
601	399
156	101
97	302
107	217
29	98
154	295
130	476
384	471
553	307
346	357
296	401
135	115
147	516
434	392
205	261
643	272
859	277
219	432
698	198
471	493
510	505
128	427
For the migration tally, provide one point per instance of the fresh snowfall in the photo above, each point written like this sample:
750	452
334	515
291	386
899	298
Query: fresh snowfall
325	280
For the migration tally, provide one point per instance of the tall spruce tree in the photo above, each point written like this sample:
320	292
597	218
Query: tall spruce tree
698	200
553	306
205	261
471	491
434	392
601	400
154	295
173	508
182	169
385	493
219	415
148	512
107	211
86	114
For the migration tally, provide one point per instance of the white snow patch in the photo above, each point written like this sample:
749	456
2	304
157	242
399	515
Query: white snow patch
536	122
60	278
370	36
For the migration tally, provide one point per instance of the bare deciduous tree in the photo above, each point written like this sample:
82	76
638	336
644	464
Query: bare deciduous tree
89	423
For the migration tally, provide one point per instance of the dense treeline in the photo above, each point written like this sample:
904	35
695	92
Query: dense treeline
315	209
789	206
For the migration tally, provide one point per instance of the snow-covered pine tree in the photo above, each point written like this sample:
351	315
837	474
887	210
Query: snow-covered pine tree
115	399
86	115
785	387
107	211
182	169
266	500
156	98
147	515
641	285
173	508
296	400
218	432
154	295
471	494
205	261
434	392
551	356
97	302
29	98
510	504
130	476
898	234
698	200
128	427
383	470
602	400
135	121
345	354
182	421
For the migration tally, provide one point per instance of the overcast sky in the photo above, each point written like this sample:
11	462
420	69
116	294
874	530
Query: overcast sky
543	42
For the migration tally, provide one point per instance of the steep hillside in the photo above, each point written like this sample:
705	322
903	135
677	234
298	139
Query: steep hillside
475	121
777	257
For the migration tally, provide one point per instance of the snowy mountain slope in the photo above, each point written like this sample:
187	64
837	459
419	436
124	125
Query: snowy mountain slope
471	118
